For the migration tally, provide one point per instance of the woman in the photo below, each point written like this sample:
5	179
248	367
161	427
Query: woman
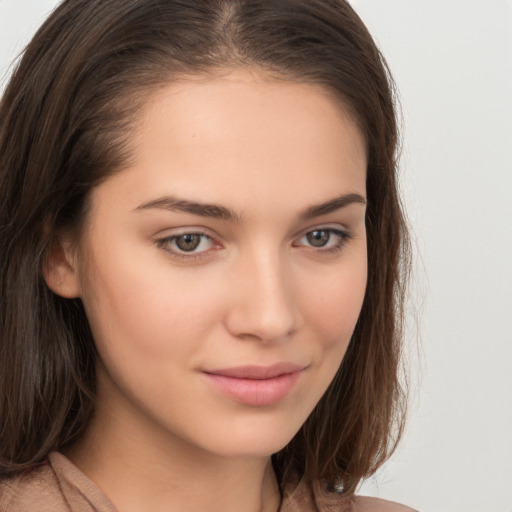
202	259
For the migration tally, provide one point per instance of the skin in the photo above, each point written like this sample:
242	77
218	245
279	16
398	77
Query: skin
254	292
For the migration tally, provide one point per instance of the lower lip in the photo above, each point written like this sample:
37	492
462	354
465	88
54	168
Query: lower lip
253	391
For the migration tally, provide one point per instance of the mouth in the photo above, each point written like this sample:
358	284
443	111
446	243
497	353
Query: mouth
256	385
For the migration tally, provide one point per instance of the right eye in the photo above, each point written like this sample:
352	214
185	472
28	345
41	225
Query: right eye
186	244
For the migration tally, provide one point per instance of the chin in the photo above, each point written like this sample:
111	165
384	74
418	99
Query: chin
251	438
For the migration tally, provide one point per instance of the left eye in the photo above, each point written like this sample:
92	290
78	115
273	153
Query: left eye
323	238
189	243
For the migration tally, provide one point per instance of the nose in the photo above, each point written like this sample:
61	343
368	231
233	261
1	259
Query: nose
264	306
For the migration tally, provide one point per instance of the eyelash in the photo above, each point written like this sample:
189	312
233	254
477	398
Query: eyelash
163	243
343	238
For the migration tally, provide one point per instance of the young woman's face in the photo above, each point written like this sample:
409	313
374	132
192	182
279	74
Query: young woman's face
223	272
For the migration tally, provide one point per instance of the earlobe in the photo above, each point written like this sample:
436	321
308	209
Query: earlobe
60	272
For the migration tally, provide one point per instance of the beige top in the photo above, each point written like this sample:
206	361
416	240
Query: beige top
59	486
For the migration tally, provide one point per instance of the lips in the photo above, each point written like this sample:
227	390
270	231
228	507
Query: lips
256	385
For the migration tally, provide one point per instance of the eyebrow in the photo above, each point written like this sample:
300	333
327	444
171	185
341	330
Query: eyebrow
216	211
175	204
333	205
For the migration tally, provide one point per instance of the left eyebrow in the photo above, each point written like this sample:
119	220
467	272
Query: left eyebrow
332	205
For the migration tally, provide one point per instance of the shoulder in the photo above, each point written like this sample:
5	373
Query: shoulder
368	504
36	487
313	495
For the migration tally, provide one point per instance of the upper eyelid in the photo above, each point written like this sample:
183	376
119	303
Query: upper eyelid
187	230
342	233
178	235
323	227
330	229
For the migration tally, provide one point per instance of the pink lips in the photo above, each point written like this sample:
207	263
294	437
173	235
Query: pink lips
256	385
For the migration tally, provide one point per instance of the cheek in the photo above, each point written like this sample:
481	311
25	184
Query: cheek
334	304
146	311
331	309
157	309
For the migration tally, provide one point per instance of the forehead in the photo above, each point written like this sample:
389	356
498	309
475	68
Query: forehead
259	104
233	137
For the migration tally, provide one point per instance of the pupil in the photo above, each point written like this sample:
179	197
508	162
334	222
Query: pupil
318	238
188	242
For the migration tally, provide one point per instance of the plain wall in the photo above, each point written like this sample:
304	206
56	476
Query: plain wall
452	60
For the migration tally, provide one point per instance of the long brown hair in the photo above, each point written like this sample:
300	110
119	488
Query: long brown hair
65	122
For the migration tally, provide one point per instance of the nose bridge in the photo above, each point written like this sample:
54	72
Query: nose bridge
264	305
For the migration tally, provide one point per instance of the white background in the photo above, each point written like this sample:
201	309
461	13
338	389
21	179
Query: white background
452	60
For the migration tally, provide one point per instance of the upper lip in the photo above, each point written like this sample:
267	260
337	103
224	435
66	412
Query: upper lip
257	372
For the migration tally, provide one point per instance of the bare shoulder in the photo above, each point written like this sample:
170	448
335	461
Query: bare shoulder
368	504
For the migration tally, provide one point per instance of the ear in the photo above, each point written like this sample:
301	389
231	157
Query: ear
60	270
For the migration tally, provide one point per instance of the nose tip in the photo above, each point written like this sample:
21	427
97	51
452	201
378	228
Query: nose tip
266	328
264	306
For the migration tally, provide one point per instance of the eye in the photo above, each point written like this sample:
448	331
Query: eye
325	239
187	244
318	238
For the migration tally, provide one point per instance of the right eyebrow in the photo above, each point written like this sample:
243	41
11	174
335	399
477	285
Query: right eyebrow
175	204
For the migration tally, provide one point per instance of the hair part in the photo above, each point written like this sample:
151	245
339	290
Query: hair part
65	123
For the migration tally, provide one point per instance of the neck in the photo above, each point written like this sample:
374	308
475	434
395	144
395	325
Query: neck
140	469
